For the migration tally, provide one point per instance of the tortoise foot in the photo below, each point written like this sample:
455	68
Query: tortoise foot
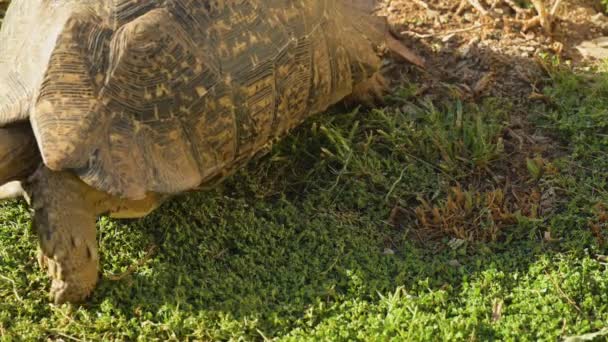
64	218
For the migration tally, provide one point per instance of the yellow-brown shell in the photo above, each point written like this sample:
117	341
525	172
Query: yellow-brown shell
142	96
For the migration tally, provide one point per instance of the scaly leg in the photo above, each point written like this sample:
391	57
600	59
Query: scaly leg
65	211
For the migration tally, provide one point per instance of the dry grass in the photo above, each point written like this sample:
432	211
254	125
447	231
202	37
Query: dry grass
474	215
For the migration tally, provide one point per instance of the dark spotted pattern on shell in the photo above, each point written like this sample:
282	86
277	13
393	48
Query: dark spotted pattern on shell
141	96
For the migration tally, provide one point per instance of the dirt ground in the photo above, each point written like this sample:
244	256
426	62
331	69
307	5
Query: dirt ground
495	54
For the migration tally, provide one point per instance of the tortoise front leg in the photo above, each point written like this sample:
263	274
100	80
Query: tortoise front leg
65	211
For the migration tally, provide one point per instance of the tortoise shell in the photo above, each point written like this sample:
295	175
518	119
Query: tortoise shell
137	96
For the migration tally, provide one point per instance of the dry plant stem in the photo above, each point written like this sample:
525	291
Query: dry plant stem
463	5
562	293
479	7
555	7
530	24
15	292
431	12
543	15
447	33
543	19
72	338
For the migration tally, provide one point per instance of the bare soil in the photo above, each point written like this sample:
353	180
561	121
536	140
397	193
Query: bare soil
481	55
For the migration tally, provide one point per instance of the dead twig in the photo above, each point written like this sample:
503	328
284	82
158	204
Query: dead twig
480	8
463	6
530	24
562	293
69	337
447	33
545	19
431	12
555	7
14	284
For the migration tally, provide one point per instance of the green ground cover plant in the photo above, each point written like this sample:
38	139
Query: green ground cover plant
363	224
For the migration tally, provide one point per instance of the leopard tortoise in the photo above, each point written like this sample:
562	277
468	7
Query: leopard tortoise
113	106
